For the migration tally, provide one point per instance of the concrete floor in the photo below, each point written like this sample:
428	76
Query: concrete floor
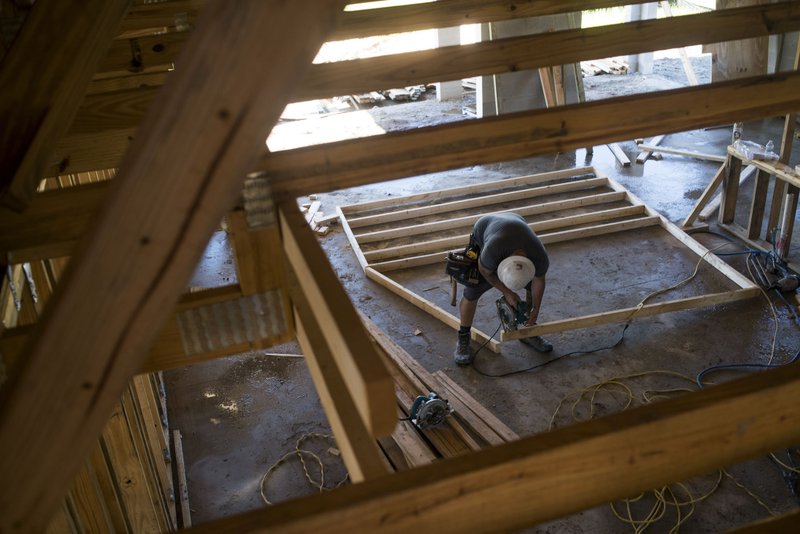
240	415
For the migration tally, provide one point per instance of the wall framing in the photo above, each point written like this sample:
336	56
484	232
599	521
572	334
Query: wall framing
594	218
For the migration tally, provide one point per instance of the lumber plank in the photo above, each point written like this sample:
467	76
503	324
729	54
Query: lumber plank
627	314
446	13
89	505
370	160
469	220
680	152
352	238
126	277
758	204
621	156
599	460
119	110
730	190
414	448
359	449
644	154
448	243
363	371
182	485
42	82
129	475
447	318
554	237
468	203
503	183
705	196
464	413
488	417
325	80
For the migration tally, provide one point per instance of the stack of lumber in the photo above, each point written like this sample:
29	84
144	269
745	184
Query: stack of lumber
318	221
470	427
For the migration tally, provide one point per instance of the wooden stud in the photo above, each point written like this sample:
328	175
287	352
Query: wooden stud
713	204
679	152
644	154
730	190
758	205
468	220
628	314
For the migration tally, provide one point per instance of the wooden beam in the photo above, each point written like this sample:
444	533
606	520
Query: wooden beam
627	314
120	287
644	154
597	461
52	224
359	449
376	159
529	52
42	82
713	204
447	13
325	80
367	378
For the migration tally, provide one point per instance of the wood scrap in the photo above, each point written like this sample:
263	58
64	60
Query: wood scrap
619	154
645	154
312	210
679	152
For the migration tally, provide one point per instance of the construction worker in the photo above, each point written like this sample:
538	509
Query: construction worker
511	257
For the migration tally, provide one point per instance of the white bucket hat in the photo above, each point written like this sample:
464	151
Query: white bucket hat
515	272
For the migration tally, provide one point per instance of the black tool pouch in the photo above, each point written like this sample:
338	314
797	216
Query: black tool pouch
463	266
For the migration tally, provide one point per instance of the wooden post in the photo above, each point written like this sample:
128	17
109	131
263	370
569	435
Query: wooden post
730	190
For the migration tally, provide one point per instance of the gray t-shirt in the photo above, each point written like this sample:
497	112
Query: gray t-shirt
501	234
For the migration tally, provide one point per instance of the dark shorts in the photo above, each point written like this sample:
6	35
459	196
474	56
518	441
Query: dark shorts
474	293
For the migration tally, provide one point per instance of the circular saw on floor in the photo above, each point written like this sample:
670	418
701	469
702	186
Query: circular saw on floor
429	411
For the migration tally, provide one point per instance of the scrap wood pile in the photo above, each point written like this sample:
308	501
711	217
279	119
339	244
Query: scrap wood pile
470	427
318	221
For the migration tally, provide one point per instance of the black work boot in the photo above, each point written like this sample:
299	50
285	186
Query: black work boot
463	354
538	343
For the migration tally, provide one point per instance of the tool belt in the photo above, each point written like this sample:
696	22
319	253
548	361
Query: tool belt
462	267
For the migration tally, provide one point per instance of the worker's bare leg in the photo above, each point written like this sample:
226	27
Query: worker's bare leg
467	310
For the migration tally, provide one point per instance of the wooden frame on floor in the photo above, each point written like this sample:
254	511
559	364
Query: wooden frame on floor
385	222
